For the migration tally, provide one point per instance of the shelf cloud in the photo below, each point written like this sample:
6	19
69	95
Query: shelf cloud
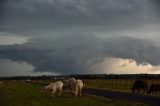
77	36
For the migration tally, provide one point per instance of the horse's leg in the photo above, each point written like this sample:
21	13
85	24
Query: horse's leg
138	90
60	92
80	91
53	92
156	92
143	90
132	90
153	92
146	89
76	90
76	93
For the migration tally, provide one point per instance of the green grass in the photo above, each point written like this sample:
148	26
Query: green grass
27	94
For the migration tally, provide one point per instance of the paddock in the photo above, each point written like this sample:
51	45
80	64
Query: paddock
21	93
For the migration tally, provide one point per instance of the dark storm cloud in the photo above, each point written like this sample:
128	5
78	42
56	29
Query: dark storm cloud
58	14
2	5
156	2
156	6
79	54
61	32
2	9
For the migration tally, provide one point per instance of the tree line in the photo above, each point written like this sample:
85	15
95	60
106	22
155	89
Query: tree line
86	76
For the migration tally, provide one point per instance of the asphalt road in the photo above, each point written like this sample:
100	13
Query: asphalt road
152	100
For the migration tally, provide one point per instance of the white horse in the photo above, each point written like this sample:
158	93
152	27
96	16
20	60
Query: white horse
54	87
75	86
78	87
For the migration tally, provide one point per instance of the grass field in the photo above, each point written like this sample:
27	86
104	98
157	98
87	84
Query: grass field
28	94
123	85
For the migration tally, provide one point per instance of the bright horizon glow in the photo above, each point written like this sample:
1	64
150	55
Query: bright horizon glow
11	39
125	66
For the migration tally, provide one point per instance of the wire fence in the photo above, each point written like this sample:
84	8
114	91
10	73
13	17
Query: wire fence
116	84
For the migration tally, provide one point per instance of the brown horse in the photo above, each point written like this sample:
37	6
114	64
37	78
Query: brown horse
138	85
154	88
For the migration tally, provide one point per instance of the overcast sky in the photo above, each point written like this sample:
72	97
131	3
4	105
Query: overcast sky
54	37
